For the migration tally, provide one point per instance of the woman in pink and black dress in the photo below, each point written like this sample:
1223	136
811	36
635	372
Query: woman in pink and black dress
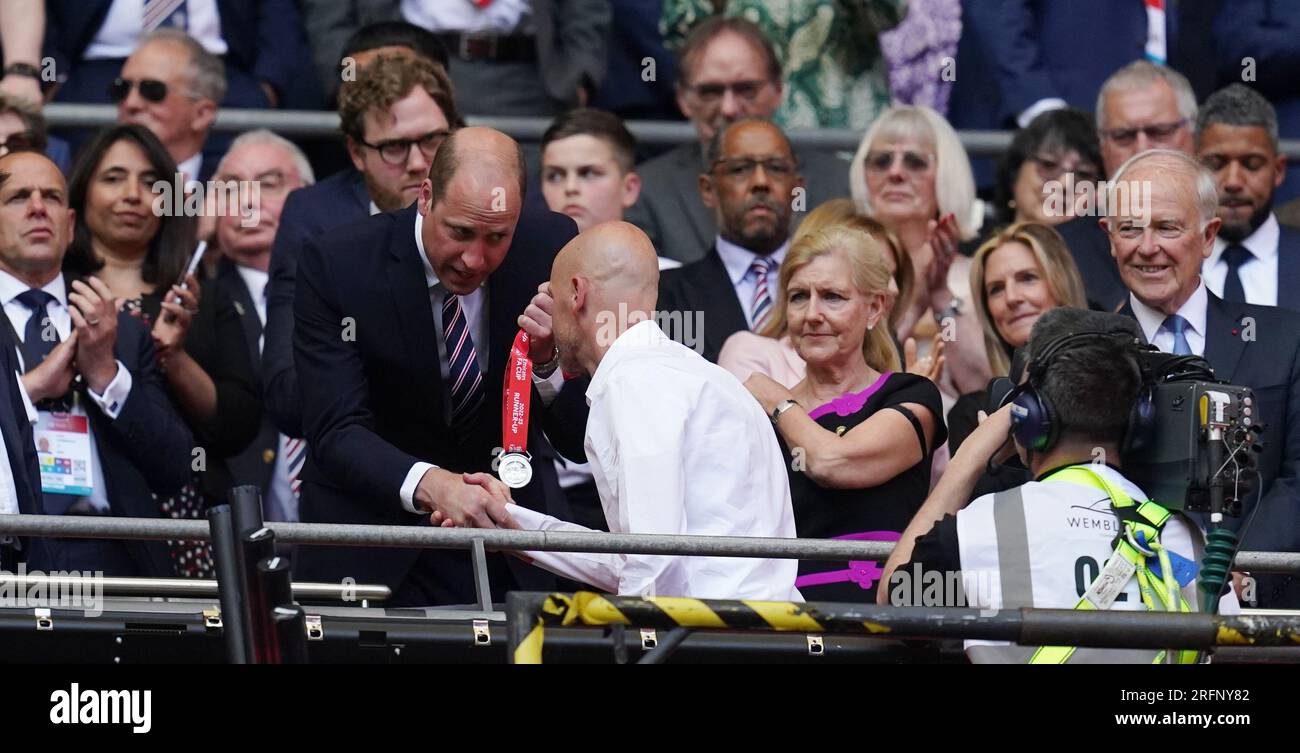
858	433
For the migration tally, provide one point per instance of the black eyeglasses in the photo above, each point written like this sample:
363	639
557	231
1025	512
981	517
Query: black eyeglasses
1160	133
396	151
150	88
913	162
741	168
711	93
18	142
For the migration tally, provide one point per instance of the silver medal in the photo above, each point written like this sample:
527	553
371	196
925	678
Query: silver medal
515	470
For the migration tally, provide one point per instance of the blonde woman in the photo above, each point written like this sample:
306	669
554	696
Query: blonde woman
771	352
863	433
1016	275
912	174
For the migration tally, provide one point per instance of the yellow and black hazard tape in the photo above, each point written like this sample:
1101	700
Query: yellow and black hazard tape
585	608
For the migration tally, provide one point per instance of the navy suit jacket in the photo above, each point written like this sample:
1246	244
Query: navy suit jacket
146	450
1090	247
265	37
1014	53
1288	268
255	464
1259	347
338	200
373	403
20	449
702	288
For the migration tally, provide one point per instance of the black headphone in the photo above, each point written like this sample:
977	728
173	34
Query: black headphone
1033	418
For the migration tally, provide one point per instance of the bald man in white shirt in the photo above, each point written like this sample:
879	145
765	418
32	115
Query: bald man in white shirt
676	444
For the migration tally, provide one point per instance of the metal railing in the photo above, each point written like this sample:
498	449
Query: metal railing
319	124
340	534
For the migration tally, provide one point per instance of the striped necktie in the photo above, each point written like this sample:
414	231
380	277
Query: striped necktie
760	306
462	362
295	453
159	13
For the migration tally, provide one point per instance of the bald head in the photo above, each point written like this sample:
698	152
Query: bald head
603	281
485	150
35	219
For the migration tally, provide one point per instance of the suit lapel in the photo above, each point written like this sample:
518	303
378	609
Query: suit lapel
230	277
1224	343
410	296
1288	267
717	298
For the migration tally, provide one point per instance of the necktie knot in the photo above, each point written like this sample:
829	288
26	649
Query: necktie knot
1237	255
1178	326
762	267
35	299
760	305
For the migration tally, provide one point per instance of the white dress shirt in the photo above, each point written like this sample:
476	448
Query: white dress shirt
737	260
472	307
678	446
110	402
1258	275
189	168
8	486
120	33
1194	311
498	17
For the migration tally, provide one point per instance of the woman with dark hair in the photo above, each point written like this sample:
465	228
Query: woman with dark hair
1057	152
139	247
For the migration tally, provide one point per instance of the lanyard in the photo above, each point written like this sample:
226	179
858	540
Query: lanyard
514	466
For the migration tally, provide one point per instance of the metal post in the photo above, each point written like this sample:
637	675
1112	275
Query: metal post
291	634
482	586
521	618
257	546
230	587
246	507
276	590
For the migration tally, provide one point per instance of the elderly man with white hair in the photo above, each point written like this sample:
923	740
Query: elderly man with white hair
1159	235
244	235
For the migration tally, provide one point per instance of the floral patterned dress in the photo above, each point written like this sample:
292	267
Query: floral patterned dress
835	74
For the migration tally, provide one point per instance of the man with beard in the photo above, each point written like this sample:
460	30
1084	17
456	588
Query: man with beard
1254	256
750	175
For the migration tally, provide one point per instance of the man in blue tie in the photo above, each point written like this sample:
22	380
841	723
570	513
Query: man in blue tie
1162	226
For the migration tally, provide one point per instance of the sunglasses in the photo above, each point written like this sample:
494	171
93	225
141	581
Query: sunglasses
713	93
913	162
151	89
1158	132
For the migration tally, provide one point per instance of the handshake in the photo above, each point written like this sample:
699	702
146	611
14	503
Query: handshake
466	500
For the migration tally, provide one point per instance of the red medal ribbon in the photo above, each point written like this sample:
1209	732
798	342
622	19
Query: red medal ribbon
518	391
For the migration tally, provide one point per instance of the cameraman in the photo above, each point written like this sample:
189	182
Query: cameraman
1044	544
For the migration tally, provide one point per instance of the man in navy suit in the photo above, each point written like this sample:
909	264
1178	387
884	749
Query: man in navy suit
20	478
1255	258
80	354
261	42
1159	246
402	335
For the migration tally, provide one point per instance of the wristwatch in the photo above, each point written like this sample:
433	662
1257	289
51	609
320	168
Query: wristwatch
780	408
23	69
545	370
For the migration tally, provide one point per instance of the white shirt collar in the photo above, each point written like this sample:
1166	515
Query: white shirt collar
429	276
1262	243
738	259
254	279
11	287
639	336
190	168
374	209
1194	310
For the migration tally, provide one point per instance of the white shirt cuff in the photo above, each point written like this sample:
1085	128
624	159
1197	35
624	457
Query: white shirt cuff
115	393
549	387
32	415
1038	108
413	477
